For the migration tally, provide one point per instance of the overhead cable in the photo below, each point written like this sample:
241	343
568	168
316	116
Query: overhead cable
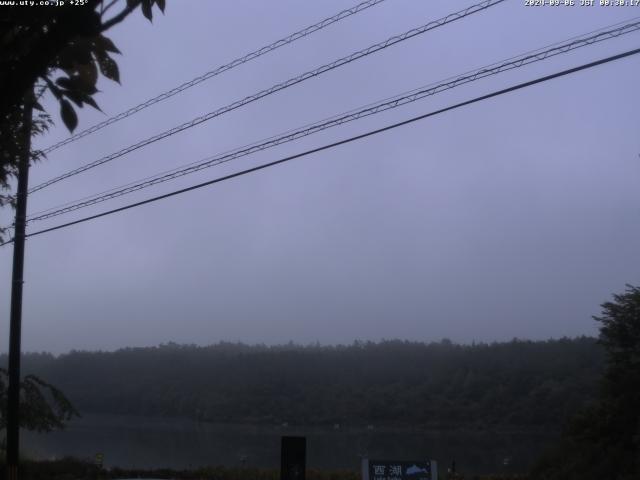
342	142
387	104
217	71
276	88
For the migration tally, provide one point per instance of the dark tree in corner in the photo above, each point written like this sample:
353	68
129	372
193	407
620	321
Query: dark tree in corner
61	50
604	441
44	408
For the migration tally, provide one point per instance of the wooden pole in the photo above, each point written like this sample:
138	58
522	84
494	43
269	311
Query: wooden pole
15	326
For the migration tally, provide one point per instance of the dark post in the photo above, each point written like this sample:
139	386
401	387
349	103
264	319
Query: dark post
293	458
13	404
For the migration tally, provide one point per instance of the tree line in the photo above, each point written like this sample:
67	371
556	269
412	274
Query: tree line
394	383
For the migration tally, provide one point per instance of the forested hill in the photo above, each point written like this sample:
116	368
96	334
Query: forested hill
513	384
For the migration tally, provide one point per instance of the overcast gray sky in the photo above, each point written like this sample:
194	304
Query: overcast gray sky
515	217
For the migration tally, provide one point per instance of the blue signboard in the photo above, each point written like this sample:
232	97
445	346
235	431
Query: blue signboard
399	470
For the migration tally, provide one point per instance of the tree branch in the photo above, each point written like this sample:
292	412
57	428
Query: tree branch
104	9
120	17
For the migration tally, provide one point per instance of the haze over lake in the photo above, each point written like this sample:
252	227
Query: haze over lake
145	442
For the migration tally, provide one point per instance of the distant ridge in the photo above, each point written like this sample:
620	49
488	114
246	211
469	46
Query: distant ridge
508	384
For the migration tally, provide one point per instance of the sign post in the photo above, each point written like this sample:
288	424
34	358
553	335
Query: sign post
396	470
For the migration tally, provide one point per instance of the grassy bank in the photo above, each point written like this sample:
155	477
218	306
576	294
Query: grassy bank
73	469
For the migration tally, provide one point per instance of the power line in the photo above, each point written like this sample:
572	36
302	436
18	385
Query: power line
217	71
276	88
387	104
611	30
344	141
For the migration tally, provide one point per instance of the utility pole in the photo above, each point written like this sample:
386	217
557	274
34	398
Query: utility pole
15	326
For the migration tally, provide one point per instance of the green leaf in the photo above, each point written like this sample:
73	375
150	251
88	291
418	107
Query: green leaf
55	90
83	82
87	77
75	96
106	44
77	53
146	9
161	5
109	68
76	93
68	115
65	82
90	101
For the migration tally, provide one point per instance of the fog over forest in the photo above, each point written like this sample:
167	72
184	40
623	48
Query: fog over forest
513	217
394	383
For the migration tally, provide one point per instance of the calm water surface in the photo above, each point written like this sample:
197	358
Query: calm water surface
141	442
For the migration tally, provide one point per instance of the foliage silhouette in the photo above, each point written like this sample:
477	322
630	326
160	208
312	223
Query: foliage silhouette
603	441
43	407
512	384
59	50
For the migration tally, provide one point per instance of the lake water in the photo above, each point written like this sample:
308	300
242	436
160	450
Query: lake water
141	442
